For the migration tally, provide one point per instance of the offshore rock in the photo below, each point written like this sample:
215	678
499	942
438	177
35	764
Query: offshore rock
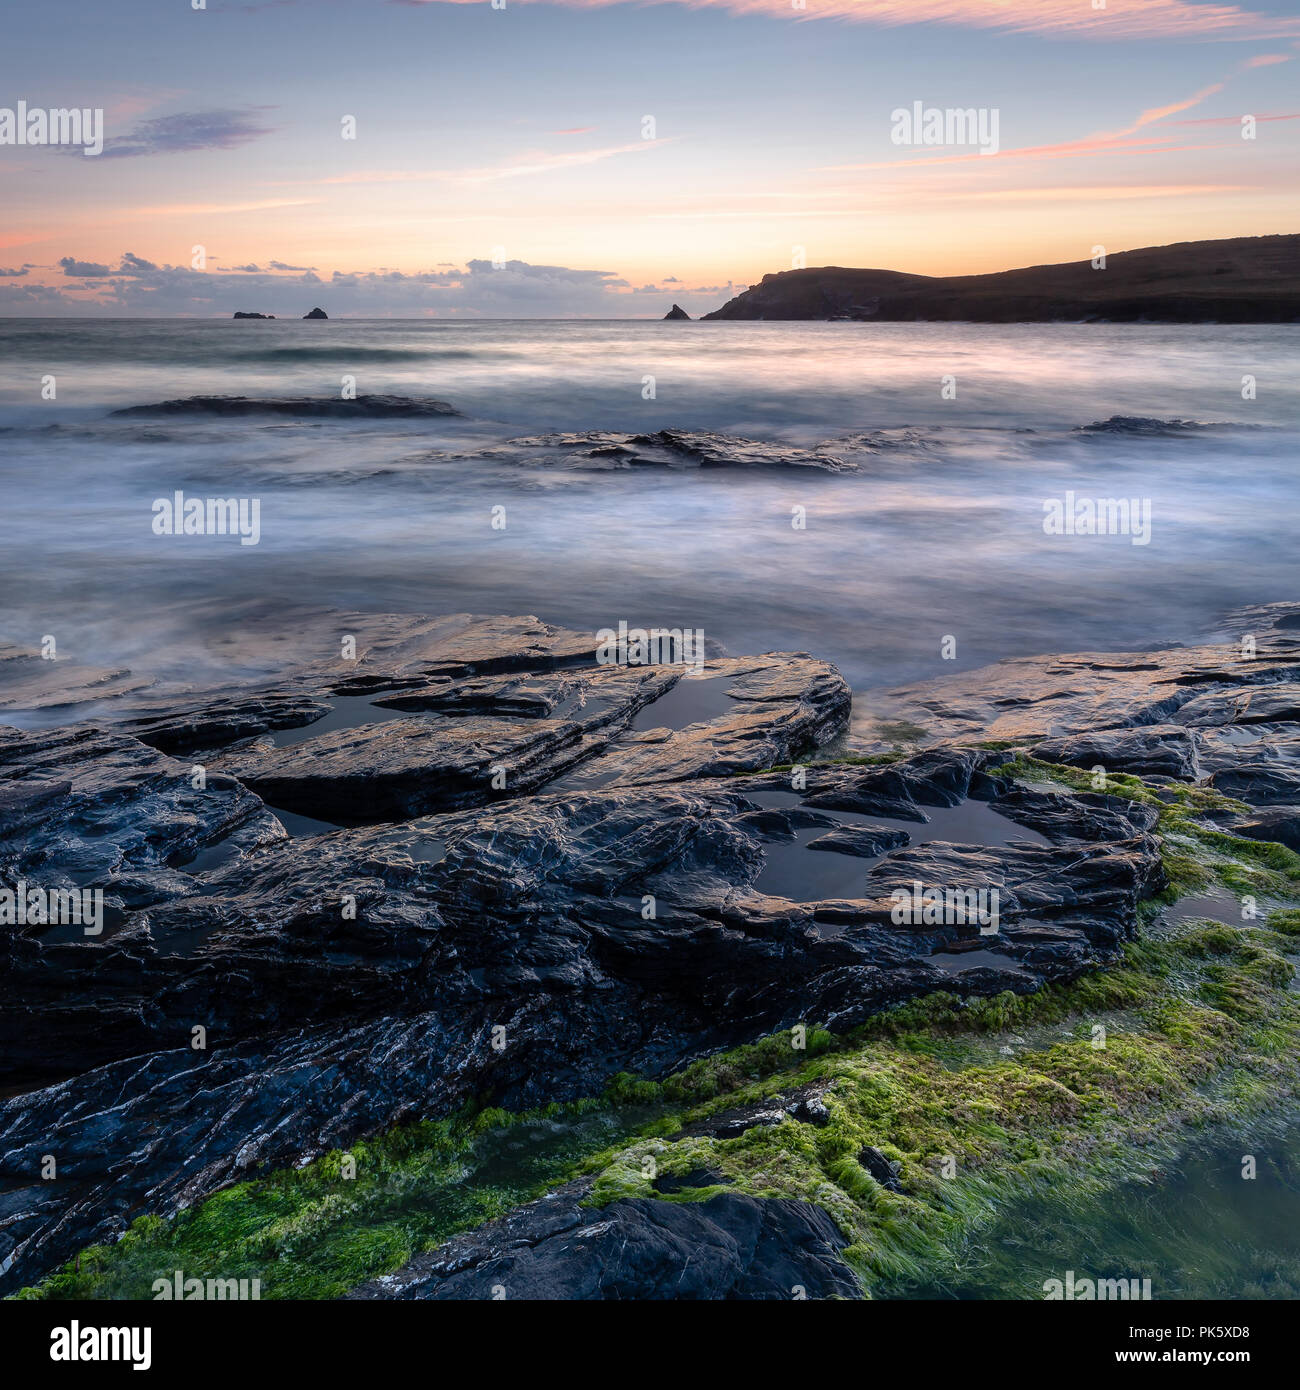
300	407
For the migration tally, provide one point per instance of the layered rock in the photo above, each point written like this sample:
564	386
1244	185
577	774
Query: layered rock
530	916
626	903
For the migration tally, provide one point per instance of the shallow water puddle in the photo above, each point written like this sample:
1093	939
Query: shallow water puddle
958	962
693	700
299	826
1218	905
794	871
347	712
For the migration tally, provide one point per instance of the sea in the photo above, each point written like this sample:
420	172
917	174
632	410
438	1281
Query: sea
932	551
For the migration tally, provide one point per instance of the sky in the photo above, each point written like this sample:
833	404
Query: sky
599	158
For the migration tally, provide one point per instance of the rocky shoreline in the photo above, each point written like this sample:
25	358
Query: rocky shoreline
466	863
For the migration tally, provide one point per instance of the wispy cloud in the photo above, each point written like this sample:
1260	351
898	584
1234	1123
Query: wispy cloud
186	131
1158	113
539	162
1090	193
1099	143
1085	148
207	209
1236	120
1131	19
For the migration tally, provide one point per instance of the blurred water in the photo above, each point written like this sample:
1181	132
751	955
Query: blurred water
1197	1230
940	534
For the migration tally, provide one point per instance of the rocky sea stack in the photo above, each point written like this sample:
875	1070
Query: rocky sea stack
316	314
677	312
239	314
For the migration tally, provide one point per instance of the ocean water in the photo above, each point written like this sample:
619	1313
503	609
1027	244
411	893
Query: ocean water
1195	1228
939	533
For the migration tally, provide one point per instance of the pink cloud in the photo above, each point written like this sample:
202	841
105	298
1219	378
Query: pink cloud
1236	120
1133	19
1158	113
539	162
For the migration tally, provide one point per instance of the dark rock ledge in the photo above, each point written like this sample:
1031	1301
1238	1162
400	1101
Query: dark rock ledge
524	906
300	407
729	1247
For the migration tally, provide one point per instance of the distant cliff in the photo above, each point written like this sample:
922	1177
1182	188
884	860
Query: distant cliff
1243	280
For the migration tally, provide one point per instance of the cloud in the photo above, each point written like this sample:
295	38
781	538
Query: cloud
517	289
131	264
280	265
187	131
83	269
1102	142
1236	120
1065	149
204	209
36	299
15	274
1158	113
540	162
1076	19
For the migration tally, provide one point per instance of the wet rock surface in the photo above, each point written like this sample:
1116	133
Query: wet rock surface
626	904
30	681
1049	697
729	1247
603	450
